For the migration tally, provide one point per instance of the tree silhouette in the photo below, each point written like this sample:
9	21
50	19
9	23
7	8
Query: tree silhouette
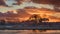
37	19
2	22
45	19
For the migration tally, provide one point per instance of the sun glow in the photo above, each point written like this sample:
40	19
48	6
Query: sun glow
44	14
43	10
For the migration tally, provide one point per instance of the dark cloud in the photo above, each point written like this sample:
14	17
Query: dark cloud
55	2
2	3
22	13
18	1
8	14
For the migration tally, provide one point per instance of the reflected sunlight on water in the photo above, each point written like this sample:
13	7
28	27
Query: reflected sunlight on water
29	32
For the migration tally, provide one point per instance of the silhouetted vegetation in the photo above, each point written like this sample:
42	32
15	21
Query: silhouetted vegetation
37	20
2	22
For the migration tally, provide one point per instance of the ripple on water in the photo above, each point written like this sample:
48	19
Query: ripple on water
29	32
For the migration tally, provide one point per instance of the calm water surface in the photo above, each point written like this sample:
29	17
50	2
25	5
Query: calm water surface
29	32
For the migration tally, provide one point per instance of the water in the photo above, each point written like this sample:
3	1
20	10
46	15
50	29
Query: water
29	32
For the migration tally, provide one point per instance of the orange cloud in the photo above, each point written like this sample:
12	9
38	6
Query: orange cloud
44	13
24	14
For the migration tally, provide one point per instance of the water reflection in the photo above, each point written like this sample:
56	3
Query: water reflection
29	32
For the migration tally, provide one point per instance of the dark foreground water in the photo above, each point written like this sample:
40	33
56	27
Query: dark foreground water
29	32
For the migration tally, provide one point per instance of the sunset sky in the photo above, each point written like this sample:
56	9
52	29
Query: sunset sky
52	7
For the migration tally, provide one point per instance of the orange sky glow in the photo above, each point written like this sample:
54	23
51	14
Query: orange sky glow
43	9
